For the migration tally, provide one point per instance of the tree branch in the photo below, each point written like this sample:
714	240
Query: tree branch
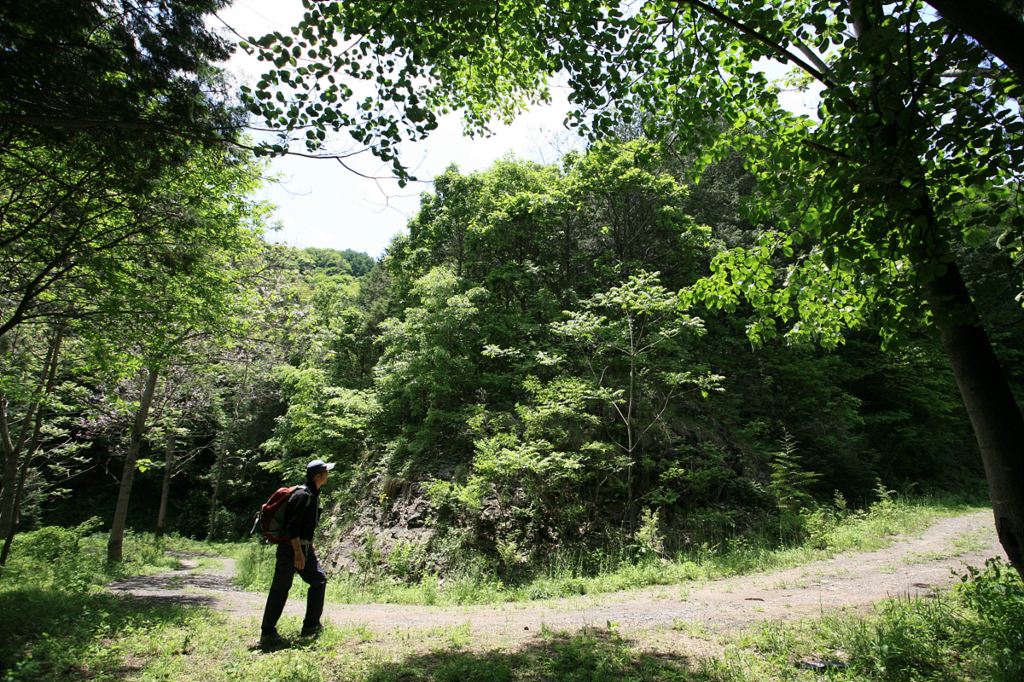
998	31
778	49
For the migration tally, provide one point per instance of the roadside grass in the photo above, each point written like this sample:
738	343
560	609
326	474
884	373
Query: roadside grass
970	634
58	623
75	558
973	632
832	530
57	620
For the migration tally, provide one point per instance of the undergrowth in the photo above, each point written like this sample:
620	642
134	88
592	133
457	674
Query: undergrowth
973	632
58	619
74	559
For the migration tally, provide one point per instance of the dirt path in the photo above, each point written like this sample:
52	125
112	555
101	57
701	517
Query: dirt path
915	565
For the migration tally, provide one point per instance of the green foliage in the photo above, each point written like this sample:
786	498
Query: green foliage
789	481
121	84
648	542
856	210
54	557
996	594
685	88
331	263
406	559
971	633
322	422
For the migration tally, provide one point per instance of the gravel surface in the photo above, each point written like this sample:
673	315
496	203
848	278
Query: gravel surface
696	612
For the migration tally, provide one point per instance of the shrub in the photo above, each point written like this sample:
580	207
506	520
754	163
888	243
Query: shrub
54	556
997	595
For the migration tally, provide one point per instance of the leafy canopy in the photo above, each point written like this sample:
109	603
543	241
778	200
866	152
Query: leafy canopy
916	120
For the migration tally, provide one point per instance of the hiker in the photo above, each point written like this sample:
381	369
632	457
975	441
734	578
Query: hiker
298	555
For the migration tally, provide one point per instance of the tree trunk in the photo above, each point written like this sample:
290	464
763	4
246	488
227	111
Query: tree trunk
8	483
216	491
222	452
995	415
12	449
997	30
20	494
115	544
165	490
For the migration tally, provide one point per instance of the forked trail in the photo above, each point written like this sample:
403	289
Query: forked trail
915	566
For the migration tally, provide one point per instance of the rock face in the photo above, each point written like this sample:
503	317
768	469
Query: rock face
395	519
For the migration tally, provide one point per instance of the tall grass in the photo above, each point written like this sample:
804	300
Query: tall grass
973	632
56	614
75	558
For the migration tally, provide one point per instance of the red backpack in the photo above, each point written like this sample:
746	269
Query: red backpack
270	518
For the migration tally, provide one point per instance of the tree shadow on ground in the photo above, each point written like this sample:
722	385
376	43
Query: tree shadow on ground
44	630
591	656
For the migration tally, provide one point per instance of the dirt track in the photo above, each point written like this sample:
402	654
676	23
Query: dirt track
915	566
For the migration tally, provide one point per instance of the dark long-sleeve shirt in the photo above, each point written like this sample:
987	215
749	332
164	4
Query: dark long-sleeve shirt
302	513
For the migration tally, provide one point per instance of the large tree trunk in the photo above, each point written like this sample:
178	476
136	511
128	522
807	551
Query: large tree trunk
997	30
115	544
995	415
8	483
165	490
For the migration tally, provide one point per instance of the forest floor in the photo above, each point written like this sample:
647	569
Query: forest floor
694	617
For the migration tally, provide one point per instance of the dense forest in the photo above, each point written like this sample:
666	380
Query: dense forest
527	368
711	319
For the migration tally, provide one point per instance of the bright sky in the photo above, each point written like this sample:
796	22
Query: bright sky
320	203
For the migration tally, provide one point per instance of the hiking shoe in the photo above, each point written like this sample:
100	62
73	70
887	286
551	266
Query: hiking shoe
311	632
272	641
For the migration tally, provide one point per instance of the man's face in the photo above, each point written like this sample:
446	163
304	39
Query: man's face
321	478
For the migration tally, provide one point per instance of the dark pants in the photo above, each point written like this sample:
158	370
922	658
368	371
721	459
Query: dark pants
284	573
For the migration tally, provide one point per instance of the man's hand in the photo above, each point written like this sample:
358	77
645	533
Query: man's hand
300	556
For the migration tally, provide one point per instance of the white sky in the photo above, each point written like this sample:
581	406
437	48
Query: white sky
320	203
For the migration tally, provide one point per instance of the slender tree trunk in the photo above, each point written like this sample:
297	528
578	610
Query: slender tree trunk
18	496
165	490
630	515
222	454
216	491
12	449
115	545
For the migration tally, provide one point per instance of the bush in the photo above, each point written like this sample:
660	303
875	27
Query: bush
55	556
997	595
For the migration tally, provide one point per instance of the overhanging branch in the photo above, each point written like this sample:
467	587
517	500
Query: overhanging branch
998	31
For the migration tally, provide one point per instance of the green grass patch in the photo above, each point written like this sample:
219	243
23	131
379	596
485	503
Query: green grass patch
974	633
970	634
75	558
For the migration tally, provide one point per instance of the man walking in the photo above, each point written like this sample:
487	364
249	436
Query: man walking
301	516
